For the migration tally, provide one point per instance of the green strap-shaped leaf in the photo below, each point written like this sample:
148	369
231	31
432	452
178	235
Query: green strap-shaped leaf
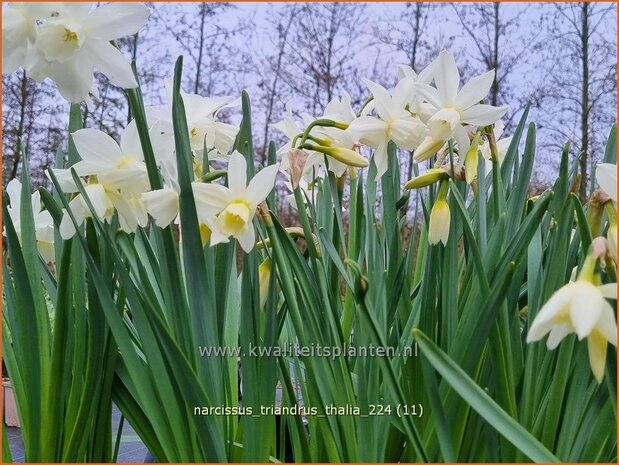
481	402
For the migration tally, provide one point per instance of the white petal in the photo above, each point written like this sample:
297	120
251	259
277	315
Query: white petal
431	95
111	62
130	141
475	90
115	20
482	115
446	78
74	78
407	132
464	143
67	229
13	189
210	198
162	205
607	325
133	180
126	216
262	184
369	130
606	176
237	173
381	160
557	333
382	100
608	290
96	147
554	309
247	239
586	307
99	200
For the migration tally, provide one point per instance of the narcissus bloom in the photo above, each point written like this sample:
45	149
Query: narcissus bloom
68	42
43	223
580	307
115	177
394	123
235	206
204	128
455	108
118	166
19	31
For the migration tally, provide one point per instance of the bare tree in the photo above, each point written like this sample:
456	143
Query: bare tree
500	42
579	90
32	113
270	70
320	59
213	60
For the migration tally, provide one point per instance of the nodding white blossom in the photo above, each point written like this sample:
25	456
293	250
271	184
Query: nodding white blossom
43	222
222	211
455	107
502	146
230	210
65	41
579	307
333	145
393	123
115	177
205	130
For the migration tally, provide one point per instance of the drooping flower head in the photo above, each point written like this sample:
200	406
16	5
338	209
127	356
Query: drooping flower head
65	41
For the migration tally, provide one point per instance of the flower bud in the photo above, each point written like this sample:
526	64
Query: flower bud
471	160
347	156
425	179
440	219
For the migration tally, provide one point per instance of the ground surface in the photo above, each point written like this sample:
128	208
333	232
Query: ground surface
131	449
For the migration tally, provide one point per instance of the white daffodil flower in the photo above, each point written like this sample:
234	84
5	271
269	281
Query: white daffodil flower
606	177
579	307
502	146
116	166
43	222
72	40
289	128
409	81
19	31
394	123
229	211
204	129
336	145
455	107
116	178
104	200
